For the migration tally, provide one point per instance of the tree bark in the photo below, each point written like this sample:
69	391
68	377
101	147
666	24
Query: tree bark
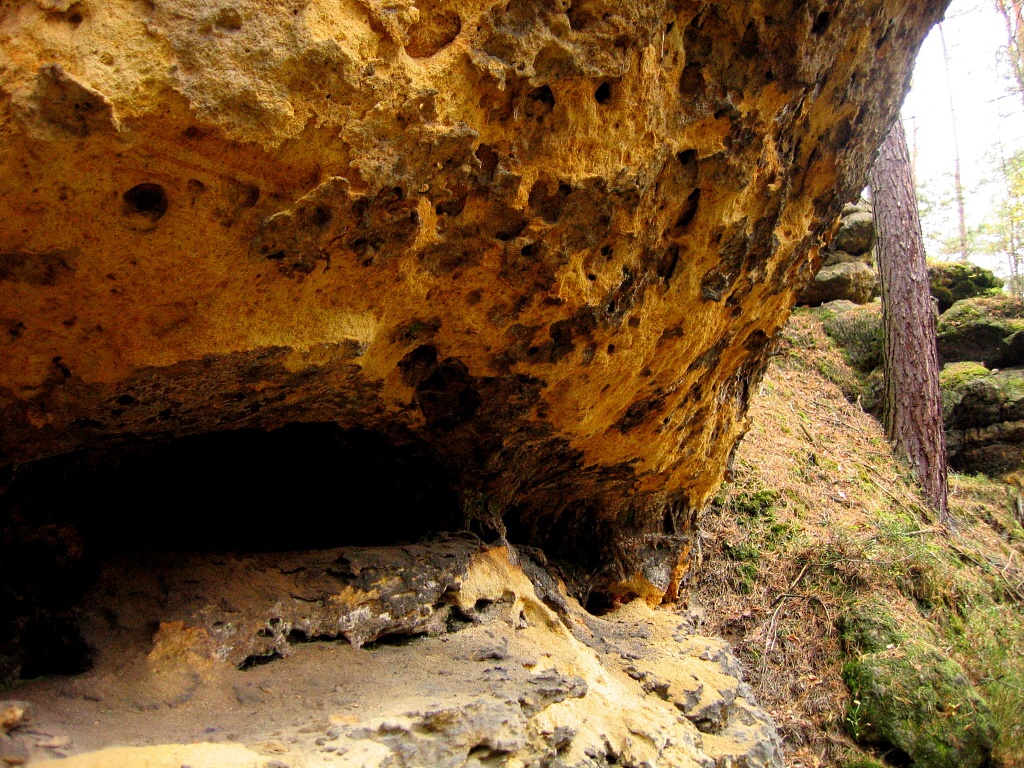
912	401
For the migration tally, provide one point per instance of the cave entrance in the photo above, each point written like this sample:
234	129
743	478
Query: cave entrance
304	486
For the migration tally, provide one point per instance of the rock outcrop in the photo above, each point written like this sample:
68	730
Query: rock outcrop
546	245
984	415
983	403
848	265
511	268
955	281
440	654
983	330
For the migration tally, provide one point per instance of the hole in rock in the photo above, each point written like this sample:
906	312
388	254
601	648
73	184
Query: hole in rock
603	94
396	639
543	95
256	661
148	200
821	23
304	486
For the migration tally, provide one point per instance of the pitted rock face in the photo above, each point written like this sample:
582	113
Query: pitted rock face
551	242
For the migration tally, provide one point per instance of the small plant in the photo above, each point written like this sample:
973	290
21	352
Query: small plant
756	503
853	719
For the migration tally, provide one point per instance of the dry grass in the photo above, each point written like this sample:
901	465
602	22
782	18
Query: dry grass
819	516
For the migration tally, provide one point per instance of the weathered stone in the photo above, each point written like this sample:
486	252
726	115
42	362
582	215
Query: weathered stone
839	257
848	264
856	234
846	281
13	714
548	244
983	330
569	688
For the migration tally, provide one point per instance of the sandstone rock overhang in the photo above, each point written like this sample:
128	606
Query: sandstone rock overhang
547	243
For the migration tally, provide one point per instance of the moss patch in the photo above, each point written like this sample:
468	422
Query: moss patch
869	626
915	699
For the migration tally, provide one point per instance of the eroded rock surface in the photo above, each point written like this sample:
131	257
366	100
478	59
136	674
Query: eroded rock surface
550	243
454	658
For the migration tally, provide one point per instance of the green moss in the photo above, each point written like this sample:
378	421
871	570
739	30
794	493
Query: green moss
955	375
755	503
915	699
954	281
742	552
869	627
860	761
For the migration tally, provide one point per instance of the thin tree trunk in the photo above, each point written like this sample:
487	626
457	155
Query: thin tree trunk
1013	14
912	402
958	187
1011	242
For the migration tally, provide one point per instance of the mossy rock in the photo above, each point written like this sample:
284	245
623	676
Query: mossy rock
869	627
974	397
917	702
955	281
984	416
987	330
857	330
860	761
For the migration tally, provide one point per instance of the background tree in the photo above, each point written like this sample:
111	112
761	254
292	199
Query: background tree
1002	231
1012	12
912	406
957	185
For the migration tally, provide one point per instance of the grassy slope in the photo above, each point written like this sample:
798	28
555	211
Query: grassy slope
819	518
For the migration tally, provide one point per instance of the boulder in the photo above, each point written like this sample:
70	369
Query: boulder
848	263
856	233
955	281
533	253
846	281
986	330
911	698
839	257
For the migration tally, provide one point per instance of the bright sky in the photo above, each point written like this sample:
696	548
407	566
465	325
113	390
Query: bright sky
988	114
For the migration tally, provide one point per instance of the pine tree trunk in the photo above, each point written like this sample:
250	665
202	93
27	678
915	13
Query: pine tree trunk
912	402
